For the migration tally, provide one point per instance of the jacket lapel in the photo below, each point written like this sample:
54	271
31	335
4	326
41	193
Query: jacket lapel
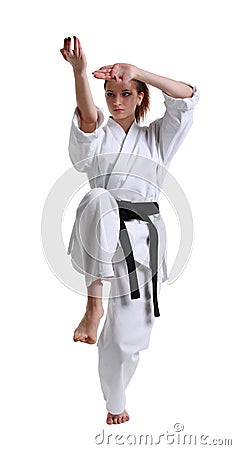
127	146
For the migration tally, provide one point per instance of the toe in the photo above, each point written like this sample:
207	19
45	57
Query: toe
80	337
126	415
109	420
91	340
77	335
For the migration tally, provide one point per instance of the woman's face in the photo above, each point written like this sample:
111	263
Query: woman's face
122	99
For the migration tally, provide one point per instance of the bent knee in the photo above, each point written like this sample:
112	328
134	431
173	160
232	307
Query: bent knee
96	192
99	195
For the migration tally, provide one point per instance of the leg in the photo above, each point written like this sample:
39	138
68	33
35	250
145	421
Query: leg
125	333
95	235
92	250
87	329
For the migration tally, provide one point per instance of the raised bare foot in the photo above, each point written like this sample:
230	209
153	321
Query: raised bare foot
87	329
117	418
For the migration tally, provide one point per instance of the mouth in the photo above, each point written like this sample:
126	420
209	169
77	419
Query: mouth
118	110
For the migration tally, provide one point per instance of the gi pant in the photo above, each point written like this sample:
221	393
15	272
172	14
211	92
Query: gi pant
95	253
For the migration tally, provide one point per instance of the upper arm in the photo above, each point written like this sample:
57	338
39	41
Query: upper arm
83	145
87	126
172	128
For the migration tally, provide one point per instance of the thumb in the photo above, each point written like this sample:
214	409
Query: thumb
127	76
63	52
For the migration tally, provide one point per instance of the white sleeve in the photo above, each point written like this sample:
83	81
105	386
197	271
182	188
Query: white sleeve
172	128
83	146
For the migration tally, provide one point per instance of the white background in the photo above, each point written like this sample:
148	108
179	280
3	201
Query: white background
51	397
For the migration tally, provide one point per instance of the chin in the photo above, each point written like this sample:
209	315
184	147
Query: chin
118	117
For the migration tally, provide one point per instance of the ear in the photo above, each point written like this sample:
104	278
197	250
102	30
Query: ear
140	98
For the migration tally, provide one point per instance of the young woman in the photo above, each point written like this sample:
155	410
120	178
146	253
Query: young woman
118	233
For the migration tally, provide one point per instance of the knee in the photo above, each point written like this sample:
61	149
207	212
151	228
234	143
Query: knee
98	195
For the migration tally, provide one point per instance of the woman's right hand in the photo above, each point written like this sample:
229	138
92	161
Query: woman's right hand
75	57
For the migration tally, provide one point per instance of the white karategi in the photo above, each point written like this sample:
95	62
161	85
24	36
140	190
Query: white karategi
123	166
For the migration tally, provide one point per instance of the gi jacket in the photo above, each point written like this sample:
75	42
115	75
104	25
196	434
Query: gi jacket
130	165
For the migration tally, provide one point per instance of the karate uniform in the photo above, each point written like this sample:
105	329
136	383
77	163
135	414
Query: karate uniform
127	167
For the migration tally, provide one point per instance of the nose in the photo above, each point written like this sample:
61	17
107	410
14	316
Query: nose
117	100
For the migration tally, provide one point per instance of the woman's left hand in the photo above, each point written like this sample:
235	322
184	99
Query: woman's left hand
118	72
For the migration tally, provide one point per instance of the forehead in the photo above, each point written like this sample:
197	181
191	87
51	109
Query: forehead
115	86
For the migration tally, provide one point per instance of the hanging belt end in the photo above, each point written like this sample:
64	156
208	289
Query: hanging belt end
156	310
135	294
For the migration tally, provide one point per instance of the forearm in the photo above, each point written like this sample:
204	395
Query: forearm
171	87
84	99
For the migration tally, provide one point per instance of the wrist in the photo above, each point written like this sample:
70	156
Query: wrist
139	74
79	72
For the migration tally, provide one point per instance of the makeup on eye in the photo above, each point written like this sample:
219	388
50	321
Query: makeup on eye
124	93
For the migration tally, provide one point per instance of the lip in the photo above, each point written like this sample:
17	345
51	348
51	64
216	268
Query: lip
118	110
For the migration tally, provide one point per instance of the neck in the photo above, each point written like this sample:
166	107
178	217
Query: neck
125	123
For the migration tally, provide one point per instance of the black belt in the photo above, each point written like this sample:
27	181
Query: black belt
129	210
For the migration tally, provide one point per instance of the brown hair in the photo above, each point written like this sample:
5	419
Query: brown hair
140	111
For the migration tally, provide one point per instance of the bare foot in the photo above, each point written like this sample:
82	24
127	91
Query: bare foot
117	418
87	329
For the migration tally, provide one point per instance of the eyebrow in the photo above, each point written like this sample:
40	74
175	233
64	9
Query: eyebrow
124	90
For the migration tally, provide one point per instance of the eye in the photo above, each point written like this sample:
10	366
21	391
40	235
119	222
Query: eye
126	94
109	94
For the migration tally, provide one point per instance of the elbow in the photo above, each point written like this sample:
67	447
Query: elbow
190	92
187	91
184	91
88	118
